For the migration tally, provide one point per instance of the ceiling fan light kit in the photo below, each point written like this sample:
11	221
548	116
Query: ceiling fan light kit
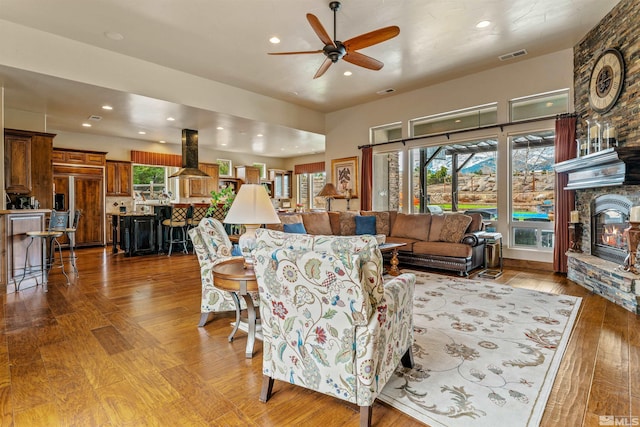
335	50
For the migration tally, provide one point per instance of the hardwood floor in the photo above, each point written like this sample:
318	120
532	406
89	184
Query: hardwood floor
120	346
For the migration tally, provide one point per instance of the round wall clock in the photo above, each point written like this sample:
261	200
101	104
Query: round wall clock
606	80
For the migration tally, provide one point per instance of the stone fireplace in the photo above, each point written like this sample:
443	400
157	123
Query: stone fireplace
607	186
609	218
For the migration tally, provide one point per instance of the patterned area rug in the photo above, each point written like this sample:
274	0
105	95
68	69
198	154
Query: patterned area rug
485	354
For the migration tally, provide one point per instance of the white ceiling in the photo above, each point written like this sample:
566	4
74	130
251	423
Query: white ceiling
227	42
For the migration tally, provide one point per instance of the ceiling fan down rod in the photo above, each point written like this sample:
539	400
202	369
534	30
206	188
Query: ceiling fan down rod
334	5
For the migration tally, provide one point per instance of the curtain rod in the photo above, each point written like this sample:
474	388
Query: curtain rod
448	134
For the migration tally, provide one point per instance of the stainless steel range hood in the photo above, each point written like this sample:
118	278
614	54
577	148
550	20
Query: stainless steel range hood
189	156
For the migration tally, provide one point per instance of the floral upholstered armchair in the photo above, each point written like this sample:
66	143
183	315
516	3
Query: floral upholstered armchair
330	323
212	245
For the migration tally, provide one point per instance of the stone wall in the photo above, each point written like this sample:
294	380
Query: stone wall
619	29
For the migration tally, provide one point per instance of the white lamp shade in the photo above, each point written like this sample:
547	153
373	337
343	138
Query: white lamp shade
252	205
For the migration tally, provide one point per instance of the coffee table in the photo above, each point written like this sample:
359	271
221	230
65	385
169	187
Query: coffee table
393	248
231	276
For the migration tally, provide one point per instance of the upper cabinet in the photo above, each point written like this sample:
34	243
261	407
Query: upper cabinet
27	165
281	183
119	178
248	174
202	187
17	164
75	157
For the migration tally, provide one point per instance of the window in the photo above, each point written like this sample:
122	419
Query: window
532	189
469	118
226	168
310	184
457	177
385	133
263	169
542	105
153	183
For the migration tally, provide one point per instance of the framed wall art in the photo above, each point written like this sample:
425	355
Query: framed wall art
344	175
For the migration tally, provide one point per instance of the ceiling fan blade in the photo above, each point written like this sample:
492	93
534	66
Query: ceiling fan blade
324	67
319	30
371	38
294	53
356	58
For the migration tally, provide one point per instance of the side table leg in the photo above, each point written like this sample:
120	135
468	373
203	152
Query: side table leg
394	270
251	320
235	328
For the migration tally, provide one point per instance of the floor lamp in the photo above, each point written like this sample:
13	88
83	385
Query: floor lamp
328	192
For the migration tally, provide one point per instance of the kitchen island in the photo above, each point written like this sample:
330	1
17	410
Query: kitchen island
14	225
137	233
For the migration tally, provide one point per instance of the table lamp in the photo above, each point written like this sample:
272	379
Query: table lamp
328	192
251	208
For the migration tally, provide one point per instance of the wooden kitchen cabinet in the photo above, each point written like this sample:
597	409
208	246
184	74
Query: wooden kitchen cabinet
202	187
13	248
28	165
119	178
17	164
79	157
281	183
248	174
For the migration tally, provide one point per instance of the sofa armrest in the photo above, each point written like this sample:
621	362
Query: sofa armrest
473	239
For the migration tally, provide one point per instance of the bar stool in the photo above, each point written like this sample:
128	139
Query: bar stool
58	223
71	235
177	221
198	211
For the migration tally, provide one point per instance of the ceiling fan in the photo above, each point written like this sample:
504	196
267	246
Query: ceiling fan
335	50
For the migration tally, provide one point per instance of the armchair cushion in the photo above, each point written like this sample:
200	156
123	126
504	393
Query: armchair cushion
329	321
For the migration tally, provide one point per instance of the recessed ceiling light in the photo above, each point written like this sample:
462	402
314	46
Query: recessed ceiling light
224	144
274	40
113	35
259	135
142	132
220	128
107	107
549	104
162	142
458	121
483	24
348	73
87	125
170	119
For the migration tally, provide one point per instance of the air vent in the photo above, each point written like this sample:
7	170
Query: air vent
95	118
515	54
385	91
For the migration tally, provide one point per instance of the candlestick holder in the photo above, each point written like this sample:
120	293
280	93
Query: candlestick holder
633	238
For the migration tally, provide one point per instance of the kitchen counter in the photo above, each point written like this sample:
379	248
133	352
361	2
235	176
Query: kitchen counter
136	232
23	211
14	224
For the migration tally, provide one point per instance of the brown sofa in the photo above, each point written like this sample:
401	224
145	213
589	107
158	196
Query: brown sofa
448	242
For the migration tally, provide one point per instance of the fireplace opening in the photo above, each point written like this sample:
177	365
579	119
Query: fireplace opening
609	219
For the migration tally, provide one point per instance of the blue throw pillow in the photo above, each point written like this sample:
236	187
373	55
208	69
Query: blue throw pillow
365	225
296	227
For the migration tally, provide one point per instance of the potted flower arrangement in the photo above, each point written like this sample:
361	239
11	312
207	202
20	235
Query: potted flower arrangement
221	201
